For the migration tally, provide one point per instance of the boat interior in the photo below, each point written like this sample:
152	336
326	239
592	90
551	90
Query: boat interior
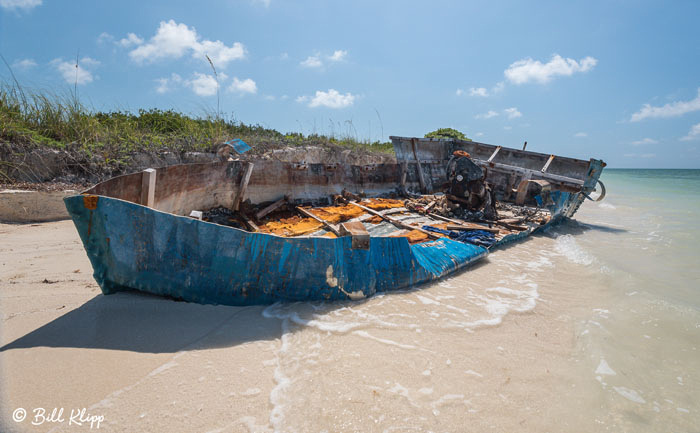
468	191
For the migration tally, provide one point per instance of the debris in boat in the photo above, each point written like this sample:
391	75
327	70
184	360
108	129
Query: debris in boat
325	223
414	236
196	214
271	208
222	216
360	235
468	186
476	237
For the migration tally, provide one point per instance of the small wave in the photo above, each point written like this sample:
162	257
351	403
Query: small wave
569	248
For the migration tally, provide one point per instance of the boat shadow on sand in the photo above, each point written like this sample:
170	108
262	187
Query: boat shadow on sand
138	322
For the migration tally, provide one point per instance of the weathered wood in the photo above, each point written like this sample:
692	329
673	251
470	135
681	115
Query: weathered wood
251	225
243	186
395	222
511	226
360	235
546	165
148	187
421	176
522	190
495	152
471	226
430	206
271	208
325	223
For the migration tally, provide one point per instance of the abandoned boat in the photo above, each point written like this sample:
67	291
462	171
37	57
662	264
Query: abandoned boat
257	232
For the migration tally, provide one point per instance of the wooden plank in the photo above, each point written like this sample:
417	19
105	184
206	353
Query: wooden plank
243	186
546	165
148	187
467	228
395	222
421	177
469	225
326	224
251	225
276	205
495	152
522	190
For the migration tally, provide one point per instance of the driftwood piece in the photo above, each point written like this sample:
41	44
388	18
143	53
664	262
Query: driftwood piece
396	222
325	223
271	208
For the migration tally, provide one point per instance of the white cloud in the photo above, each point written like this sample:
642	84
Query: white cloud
165	85
312	62
479	134
204	84
104	37
459	92
489	114
173	40
693	134
72	74
24	64
580	135
672	109
265	3
498	88
644	141
480	91
512	113
338	55
243	86
331	99
19	4
130	40
526	70
507	128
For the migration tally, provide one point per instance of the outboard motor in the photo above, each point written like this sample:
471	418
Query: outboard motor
467	182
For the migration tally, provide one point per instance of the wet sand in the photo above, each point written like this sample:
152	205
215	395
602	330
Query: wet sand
493	348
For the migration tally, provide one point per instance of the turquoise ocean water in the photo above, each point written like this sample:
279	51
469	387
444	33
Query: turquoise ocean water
640	256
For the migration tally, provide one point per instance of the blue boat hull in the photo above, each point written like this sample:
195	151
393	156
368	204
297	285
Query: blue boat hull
133	247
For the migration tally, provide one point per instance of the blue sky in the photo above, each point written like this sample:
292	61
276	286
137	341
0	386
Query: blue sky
617	80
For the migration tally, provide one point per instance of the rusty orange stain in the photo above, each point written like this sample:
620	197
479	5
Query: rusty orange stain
90	201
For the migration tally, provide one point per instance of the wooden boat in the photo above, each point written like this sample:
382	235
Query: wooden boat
139	235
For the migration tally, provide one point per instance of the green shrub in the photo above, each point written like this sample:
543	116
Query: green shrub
448	133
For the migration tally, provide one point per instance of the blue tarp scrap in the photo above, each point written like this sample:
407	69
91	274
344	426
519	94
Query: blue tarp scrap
239	145
476	237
